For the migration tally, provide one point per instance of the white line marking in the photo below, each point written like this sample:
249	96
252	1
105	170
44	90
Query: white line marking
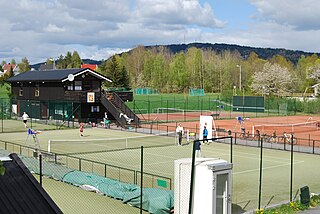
264	168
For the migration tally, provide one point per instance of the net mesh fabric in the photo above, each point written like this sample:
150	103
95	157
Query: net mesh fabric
294	128
69	146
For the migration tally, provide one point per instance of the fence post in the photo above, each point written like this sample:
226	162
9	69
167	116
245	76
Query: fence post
185	110
141	180
196	129
31	113
192	177
40	168
309	139
148	109
313	147
1	115
291	168
260	175
167	109
231	149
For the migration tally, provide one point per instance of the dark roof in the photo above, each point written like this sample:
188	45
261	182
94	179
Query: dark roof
20	192
53	75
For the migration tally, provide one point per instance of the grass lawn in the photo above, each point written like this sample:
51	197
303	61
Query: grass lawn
151	103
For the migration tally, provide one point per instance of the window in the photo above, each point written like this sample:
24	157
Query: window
69	86
95	109
20	92
37	92
77	85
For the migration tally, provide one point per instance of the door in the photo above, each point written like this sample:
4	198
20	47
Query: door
222	192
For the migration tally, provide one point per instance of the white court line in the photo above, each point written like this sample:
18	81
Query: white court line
263	168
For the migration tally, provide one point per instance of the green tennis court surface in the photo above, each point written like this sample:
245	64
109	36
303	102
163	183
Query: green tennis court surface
159	160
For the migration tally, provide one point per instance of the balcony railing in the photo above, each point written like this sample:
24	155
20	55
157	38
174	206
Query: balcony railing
80	96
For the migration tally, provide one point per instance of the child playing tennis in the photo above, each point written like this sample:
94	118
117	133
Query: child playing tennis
81	129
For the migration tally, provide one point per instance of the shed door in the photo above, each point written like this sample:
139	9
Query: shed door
222	192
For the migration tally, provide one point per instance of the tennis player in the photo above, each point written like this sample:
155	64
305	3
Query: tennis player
25	117
179	131
198	149
81	129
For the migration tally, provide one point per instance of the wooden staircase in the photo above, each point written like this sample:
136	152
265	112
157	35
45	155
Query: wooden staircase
124	116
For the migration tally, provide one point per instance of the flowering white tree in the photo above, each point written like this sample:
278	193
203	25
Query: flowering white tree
272	80
314	72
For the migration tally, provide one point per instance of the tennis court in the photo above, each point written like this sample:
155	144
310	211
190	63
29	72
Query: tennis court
159	160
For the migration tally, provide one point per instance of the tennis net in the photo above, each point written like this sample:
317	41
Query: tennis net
75	146
293	128
180	111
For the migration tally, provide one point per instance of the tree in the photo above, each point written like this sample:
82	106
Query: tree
76	60
68	60
13	62
272	80
24	65
61	64
194	67
178	73
314	72
113	71
124	80
134	65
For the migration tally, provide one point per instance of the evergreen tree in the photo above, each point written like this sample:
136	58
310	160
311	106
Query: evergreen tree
24	65
13	62
68	60
124	78
61	64
76	60
113	71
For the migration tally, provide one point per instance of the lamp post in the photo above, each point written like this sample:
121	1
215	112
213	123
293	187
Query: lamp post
239	66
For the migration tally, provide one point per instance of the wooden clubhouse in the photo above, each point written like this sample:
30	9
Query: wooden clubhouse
68	94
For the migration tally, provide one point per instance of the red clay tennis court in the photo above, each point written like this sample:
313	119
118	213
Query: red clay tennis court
302	126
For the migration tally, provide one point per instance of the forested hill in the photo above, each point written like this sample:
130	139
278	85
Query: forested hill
264	53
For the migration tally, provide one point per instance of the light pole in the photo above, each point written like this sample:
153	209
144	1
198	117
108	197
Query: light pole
239	66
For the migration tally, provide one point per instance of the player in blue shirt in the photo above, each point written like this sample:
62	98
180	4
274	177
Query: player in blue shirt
205	134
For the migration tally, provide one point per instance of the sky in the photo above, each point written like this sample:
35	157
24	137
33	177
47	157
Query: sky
97	29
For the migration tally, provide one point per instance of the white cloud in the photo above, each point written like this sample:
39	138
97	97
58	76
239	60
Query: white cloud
41	29
53	28
177	12
269	35
303	15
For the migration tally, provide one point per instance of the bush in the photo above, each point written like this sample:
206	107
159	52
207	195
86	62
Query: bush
292	207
